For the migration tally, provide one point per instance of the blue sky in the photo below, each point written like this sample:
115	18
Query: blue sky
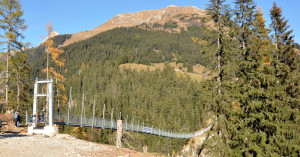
72	16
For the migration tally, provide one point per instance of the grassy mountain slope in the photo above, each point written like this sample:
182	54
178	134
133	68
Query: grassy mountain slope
181	17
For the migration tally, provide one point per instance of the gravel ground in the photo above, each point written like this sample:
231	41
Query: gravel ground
12	145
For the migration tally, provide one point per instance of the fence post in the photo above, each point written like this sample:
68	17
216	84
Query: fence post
84	117
152	129
137	129
145	149
143	127
103	117
119	134
82	107
111	117
93	113
26	117
70	97
96	121
58	105
132	124
126	121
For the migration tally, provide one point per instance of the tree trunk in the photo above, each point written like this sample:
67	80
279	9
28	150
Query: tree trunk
219	65
7	61
18	91
47	51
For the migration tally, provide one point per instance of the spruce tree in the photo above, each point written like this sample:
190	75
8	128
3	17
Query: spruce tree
286	64
225	52
19	73
244	14
256	101
12	24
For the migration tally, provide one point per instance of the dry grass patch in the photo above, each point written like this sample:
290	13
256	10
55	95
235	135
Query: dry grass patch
199	71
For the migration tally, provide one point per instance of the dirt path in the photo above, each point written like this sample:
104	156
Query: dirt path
14	142
58	146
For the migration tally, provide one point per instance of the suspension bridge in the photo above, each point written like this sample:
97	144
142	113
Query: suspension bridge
84	121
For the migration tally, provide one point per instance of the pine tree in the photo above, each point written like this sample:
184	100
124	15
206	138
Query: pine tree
12	24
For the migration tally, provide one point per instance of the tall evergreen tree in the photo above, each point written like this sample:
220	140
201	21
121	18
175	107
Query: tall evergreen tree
287	82
282	38
225	52
19	74
244	11
220	14
12	24
256	101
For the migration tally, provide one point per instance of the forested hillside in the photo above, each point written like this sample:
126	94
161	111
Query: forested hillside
254	95
91	67
159	98
136	45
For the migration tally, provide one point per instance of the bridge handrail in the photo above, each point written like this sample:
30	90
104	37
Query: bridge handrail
75	120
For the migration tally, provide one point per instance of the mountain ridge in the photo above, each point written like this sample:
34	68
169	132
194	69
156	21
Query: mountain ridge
159	16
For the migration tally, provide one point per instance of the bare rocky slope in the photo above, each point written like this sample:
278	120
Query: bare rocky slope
183	16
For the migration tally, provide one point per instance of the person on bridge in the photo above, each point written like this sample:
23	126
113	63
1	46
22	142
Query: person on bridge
0	124
17	118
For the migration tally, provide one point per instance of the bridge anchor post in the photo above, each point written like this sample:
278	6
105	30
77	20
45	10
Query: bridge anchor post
119	134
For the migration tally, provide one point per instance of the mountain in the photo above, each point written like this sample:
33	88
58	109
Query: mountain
180	16
52	34
96	64
93	67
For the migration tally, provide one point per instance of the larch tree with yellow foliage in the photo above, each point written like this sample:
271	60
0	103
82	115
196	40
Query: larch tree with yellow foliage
54	52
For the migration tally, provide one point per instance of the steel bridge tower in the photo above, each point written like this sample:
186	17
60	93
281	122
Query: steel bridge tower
33	127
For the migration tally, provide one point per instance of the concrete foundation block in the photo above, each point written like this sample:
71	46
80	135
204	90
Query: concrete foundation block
50	130
47	130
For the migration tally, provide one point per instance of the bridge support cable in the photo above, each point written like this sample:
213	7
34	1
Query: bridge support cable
132	124
126	121
107	124
111	118
69	105
94	113
82	120
103	117
82	108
